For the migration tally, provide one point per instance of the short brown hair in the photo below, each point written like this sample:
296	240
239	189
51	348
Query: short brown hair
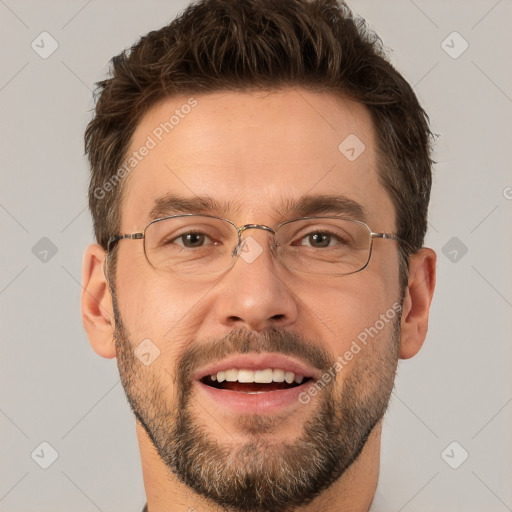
244	45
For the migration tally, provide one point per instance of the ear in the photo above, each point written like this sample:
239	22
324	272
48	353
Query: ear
416	305
97	311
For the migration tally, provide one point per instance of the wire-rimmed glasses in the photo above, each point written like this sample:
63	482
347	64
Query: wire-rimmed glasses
204	246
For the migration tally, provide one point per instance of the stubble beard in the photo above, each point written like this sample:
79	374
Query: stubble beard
255	475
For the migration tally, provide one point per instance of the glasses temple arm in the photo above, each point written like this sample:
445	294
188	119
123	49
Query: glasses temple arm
114	239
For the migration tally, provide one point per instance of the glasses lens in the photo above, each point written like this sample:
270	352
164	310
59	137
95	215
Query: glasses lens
202	246
190	244
324	246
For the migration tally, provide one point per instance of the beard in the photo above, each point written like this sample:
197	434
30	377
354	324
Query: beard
257	475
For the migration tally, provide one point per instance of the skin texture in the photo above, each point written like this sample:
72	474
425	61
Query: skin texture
251	152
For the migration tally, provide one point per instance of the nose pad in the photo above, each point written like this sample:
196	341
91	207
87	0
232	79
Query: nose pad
248	243
250	249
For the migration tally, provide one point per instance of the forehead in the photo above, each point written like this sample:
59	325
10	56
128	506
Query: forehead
255	154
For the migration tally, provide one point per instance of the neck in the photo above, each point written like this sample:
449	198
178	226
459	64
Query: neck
352	492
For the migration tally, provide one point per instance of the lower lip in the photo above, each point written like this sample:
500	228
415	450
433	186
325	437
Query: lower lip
257	403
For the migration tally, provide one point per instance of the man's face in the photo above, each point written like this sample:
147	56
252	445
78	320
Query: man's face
259	446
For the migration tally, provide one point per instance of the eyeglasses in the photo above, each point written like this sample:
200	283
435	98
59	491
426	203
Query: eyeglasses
204	246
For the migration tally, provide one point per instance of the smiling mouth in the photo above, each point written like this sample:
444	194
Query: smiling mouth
254	381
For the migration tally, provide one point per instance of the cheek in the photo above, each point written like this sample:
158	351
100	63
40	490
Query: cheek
140	310
346	308
147	371
366	366
155	307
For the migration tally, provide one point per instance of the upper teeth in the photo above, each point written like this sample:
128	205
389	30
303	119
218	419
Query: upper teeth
258	376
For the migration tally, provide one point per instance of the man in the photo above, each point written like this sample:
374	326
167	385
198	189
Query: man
260	184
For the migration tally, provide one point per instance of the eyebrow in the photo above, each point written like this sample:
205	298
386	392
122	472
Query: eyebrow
311	205
174	204
305	206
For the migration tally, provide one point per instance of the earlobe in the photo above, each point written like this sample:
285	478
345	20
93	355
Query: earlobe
416	305
97	312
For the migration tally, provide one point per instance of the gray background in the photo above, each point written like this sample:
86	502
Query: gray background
55	389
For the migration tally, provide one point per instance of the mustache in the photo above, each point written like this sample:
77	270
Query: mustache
242	341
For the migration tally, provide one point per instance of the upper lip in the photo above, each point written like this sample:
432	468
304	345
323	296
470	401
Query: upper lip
259	361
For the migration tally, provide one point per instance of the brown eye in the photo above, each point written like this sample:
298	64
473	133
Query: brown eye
320	240
191	240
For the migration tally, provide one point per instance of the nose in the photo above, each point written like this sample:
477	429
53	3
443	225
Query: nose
256	294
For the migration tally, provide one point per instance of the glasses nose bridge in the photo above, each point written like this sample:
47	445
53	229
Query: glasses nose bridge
245	227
